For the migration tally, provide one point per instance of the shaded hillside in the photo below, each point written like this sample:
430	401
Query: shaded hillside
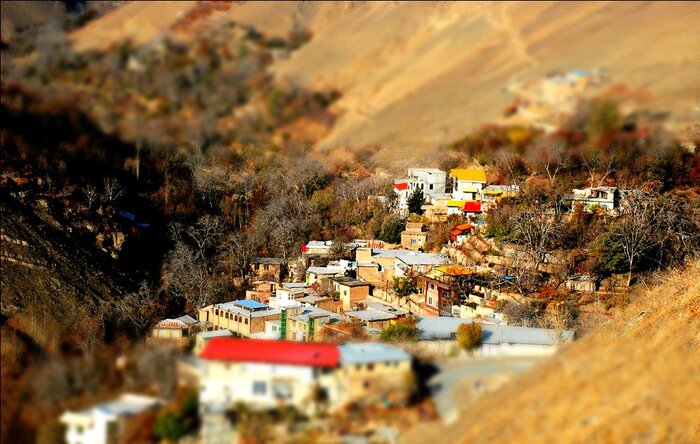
634	379
43	264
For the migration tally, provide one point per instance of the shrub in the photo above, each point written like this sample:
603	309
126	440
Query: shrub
469	336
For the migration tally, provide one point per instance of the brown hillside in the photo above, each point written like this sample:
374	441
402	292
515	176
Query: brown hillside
417	75
635	379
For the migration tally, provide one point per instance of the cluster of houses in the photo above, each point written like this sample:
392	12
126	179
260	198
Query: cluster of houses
279	345
462	192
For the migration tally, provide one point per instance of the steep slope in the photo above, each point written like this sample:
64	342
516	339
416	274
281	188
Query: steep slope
41	264
635	379
417	75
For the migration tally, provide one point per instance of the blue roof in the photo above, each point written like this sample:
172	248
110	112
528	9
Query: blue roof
368	352
250	304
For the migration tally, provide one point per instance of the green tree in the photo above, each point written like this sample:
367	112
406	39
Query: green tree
416	201
170	426
404	286
469	336
392	226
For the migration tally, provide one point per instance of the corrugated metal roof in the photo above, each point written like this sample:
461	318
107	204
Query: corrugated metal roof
371	352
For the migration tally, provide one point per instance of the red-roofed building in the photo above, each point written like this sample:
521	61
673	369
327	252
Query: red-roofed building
266	374
460	233
311	354
472	207
401	186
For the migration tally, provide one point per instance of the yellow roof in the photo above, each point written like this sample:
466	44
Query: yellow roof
470	190
493	192
469	174
453	270
456	203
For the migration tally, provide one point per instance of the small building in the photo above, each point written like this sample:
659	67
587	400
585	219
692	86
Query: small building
492	195
108	422
323	302
414	236
284	298
585	284
428	180
201	339
317	248
178	330
607	198
374	372
322	274
497	340
261	291
372	318
267	268
442	290
243	317
265	374
303	324
467	183
460	233
350	290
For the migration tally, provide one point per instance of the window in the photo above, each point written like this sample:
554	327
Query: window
282	389
246	321
259	388
370	367
80	429
366	384
430	300
431	186
216	312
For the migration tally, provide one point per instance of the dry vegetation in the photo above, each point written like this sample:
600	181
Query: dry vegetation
634	379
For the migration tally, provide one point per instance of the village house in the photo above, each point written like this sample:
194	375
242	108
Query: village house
284	298
317	248
201	339
497	340
177	331
108	422
378	267
607	198
243	317
442	290
374	372
375	315
261	291
350	290
460	233
492	195
333	269
323	302
265	374
429	180
306	323
267	268
467	183
414	237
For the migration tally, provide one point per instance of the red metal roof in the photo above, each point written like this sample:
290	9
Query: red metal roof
401	186
308	354
462	227
472	207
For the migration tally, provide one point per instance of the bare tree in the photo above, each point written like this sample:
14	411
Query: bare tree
637	232
205	233
597	165
186	275
537	231
112	190
138	308
552	159
238	252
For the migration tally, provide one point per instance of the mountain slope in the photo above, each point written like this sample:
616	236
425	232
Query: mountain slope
417	75
635	379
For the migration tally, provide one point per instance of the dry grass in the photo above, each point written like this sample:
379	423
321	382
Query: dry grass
635	379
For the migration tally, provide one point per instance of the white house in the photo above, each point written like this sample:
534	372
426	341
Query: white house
431	181
605	197
265	374
467	183
105	423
